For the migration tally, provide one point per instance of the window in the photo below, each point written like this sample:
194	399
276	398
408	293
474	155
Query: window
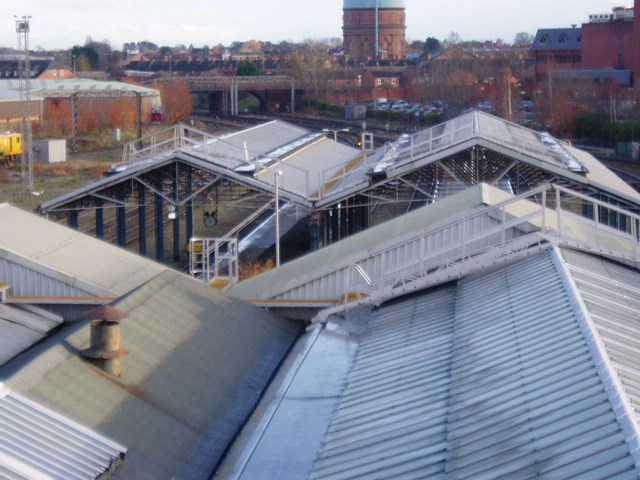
544	39
563	38
379	81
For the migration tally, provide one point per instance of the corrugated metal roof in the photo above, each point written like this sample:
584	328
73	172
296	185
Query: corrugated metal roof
538	149
38	443
20	328
41	258
68	86
254	143
611	293
360	246
195	364
491	378
311	170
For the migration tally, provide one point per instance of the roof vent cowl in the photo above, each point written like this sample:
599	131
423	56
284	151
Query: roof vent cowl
105	340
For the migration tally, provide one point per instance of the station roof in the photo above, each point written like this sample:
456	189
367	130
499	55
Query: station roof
194	365
42	258
541	156
318	173
63	450
515	366
500	374
50	273
519	368
310	162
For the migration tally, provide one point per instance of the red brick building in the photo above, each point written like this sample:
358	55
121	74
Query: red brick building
606	49
556	49
363	29
608	44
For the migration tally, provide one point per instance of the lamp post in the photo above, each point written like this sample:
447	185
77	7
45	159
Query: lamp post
335	132
276	176
73	57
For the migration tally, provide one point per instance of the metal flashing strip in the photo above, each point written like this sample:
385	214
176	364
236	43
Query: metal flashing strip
59	300
622	407
39	443
274	405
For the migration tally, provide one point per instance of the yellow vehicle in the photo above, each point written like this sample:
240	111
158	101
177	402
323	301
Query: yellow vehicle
10	147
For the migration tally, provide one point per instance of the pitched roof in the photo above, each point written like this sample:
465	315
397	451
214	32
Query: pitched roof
39	257
557	39
195	363
38	443
498	374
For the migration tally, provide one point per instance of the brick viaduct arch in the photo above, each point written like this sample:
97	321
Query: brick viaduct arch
223	91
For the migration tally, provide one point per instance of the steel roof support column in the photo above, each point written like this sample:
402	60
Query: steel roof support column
121	224
293	95
344	222
365	219
234	97
176	222
188	213
315	231
159	226
142	221
73	219
100	220
176	235
335	224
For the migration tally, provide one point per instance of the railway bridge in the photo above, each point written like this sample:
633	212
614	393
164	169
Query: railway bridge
271	91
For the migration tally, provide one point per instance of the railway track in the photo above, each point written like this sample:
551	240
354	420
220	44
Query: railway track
381	134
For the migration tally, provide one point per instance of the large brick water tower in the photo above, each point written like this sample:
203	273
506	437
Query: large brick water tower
367	23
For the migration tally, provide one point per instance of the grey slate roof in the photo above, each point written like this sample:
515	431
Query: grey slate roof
622	77
557	39
20	328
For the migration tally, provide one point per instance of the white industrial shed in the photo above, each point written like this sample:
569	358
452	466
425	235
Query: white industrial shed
55	88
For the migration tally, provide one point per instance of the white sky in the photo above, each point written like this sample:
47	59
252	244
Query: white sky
61	24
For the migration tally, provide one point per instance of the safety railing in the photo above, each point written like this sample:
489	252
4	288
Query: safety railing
548	215
214	261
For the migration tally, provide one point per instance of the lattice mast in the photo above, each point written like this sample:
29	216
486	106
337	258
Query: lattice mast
24	75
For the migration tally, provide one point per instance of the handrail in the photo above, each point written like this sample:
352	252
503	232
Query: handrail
513	227
214	259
